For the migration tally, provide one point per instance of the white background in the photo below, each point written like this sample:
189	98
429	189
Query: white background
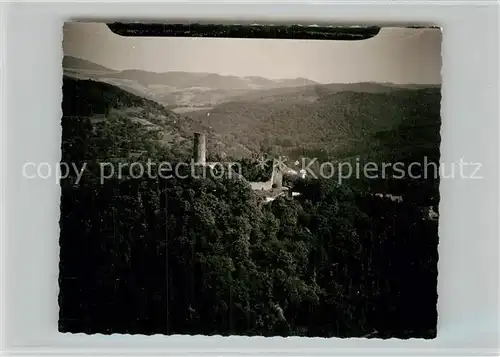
31	74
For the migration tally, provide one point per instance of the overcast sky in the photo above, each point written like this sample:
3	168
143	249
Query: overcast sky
396	55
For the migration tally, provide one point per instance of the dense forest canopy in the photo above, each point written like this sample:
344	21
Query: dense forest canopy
207	256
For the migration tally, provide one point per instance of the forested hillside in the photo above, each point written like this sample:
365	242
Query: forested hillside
317	121
101	103
207	256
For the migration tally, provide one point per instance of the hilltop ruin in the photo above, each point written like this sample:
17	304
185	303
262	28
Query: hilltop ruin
269	189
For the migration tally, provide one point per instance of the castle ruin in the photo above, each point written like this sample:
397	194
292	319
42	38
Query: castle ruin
274	184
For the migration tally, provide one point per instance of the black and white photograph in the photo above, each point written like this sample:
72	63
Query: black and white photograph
251	180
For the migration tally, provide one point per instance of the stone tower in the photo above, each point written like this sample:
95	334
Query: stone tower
200	149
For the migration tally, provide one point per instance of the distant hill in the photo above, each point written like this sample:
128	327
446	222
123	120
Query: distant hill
195	90
177	80
178	90
183	80
81	64
329	122
310	92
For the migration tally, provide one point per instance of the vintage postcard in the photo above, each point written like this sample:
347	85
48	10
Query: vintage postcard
250	180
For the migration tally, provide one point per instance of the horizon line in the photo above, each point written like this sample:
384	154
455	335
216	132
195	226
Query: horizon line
248	76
